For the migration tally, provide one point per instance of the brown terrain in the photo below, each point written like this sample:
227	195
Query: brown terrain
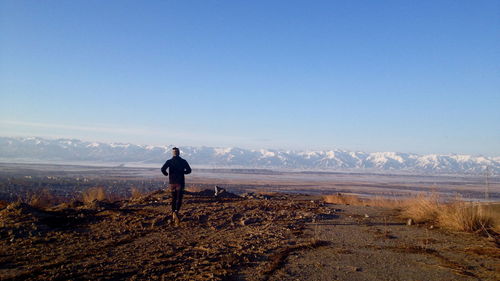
253	237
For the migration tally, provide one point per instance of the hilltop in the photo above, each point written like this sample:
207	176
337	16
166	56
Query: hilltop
253	237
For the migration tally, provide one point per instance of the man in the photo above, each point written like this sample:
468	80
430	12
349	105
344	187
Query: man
178	167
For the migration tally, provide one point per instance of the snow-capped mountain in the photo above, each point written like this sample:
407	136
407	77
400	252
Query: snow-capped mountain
73	150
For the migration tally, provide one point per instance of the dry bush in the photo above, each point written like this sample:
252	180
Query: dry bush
422	208
94	193
343	199
42	199
136	193
465	216
456	215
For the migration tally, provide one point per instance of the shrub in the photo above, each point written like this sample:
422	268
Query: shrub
465	216
422	208
94	193
136	193
456	215
42	199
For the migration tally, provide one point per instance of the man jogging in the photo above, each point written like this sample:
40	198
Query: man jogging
178	167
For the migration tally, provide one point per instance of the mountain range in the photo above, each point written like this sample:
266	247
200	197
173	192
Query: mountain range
78	151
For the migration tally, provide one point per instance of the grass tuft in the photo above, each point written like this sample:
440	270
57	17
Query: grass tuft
136	193
465	216
422	208
42	199
94	193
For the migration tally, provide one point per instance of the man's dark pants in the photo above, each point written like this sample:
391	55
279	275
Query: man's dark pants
177	193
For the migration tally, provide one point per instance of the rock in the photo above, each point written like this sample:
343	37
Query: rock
218	190
252	195
352	269
201	218
247	221
157	222
410	222
98	205
236	217
75	204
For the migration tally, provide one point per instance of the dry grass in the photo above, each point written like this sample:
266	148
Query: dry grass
422	208
344	199
456	215
384	202
136	193
42	199
94	193
465	216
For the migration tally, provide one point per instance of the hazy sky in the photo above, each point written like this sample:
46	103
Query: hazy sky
408	76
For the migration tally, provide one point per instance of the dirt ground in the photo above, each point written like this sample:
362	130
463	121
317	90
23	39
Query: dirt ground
368	243
279	237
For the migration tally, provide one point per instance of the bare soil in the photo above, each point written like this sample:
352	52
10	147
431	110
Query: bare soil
279	237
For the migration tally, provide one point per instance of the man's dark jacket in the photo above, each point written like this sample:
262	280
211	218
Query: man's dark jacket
177	168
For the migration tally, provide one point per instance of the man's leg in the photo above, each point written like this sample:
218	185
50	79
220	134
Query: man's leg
176	196
180	194
176	190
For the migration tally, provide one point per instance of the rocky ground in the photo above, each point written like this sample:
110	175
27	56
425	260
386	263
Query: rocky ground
278	237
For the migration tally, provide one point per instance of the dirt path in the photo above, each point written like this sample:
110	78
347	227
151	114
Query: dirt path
366	243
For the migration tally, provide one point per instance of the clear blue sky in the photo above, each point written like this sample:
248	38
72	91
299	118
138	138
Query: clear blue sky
408	76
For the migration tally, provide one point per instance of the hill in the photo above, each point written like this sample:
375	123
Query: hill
257	237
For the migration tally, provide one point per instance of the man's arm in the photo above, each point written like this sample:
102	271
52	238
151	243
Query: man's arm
164	168
187	169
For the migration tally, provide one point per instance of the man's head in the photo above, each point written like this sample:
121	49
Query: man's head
175	151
